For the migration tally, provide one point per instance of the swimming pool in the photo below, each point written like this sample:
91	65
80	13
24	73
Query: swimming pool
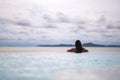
59	66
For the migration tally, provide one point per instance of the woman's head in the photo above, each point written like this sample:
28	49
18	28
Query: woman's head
78	46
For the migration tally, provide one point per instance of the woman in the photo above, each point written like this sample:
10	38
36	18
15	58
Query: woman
78	48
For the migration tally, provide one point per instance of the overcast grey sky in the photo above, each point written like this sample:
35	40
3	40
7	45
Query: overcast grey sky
32	22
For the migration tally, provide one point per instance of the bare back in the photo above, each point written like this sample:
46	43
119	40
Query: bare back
74	50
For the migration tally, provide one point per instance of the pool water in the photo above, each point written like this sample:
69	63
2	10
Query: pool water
59	66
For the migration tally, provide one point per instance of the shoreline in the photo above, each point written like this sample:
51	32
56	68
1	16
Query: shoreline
56	49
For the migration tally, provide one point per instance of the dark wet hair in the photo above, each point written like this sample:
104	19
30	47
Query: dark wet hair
78	46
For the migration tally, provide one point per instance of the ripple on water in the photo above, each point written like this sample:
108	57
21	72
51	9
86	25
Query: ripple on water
45	66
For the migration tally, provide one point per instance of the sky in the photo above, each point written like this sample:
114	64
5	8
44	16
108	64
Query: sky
39	22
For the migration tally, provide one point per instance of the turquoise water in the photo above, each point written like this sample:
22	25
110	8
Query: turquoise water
59	66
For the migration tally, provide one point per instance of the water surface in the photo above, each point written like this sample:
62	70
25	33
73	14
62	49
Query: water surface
59	66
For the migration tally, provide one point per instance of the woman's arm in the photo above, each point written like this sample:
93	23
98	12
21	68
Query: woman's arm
71	50
85	50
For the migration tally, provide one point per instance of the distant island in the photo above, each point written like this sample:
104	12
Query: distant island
85	45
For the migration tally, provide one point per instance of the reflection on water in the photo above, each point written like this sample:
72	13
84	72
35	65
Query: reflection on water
59	66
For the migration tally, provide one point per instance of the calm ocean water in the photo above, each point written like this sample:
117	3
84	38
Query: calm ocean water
59	66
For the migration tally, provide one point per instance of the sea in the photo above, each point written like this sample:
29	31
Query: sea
54	63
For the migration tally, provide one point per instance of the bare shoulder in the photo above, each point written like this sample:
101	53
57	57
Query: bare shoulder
71	50
85	50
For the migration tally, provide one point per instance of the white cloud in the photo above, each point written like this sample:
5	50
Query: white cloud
50	22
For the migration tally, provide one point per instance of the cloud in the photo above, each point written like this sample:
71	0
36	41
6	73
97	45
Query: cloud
107	35
4	21
102	20
23	23
63	18
50	26
113	27
98	30
6	36
33	22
